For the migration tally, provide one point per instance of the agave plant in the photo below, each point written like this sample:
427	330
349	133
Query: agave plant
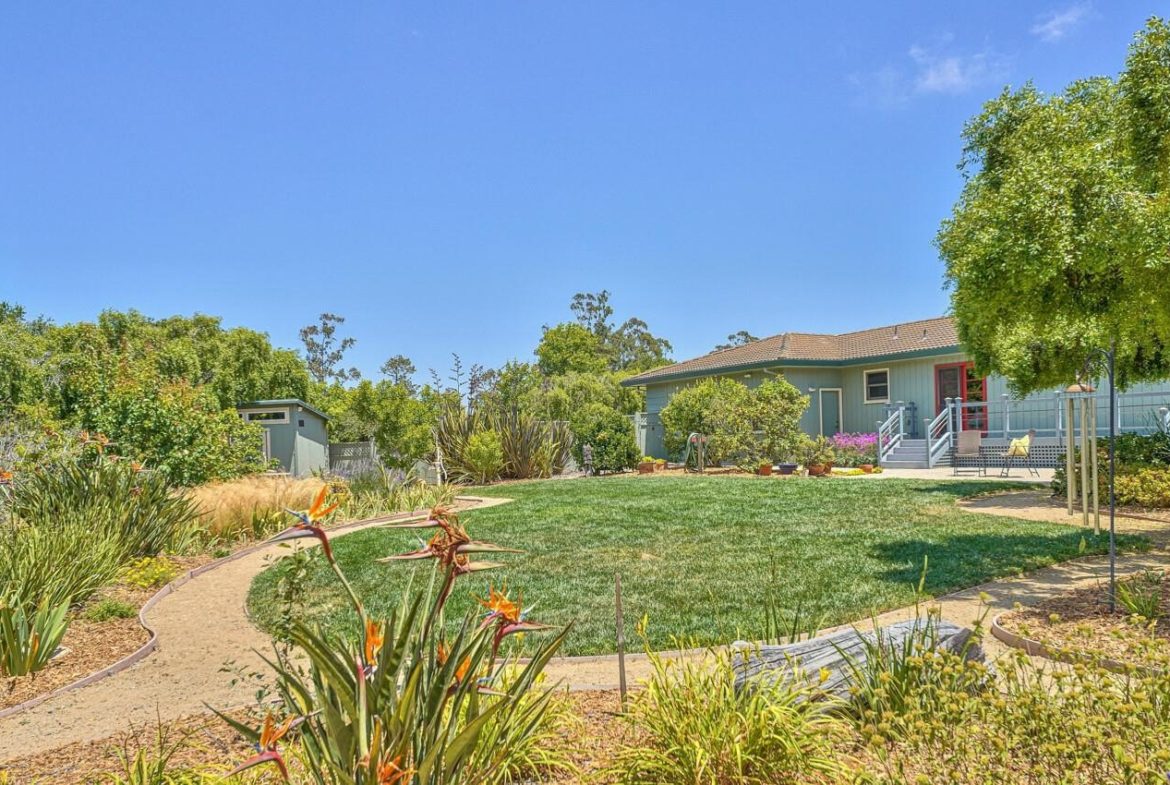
407	702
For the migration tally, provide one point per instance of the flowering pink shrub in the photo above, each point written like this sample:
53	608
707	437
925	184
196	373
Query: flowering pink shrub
854	449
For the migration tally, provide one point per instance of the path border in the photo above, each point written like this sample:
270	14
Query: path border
146	649
1035	648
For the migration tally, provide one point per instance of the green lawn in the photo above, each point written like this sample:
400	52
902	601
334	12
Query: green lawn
697	554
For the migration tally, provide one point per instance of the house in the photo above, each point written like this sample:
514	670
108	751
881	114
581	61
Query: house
913	377
295	434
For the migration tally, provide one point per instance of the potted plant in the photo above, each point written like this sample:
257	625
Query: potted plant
660	465
765	469
786	467
647	465
866	467
816	455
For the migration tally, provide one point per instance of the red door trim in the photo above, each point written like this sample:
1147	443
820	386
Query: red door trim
964	367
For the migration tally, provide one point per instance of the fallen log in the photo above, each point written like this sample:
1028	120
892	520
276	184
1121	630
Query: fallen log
838	653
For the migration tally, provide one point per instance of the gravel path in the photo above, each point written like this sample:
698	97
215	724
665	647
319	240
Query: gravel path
203	624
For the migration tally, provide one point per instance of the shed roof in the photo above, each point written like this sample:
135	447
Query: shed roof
284	402
907	337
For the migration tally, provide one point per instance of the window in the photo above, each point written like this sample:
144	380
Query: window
877	386
267	416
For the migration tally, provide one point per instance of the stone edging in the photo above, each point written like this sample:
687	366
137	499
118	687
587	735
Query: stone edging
152	642
1034	648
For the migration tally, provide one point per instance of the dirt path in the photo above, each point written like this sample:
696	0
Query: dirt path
203	624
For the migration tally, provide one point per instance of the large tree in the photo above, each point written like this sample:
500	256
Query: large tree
628	347
1060	241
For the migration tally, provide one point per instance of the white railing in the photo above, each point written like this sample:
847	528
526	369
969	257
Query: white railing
890	433
939	435
1139	412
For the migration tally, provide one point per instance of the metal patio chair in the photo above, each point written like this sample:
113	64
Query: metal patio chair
967	455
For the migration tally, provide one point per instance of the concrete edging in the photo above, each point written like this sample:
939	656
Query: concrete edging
152	642
1034	648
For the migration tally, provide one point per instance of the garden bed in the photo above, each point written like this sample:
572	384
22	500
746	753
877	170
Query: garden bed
94	641
211	744
1079	624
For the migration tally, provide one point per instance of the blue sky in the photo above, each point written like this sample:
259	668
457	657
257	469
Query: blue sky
447	175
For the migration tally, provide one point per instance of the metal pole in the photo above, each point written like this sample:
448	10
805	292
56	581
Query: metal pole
1112	499
1006	417
1085	463
621	638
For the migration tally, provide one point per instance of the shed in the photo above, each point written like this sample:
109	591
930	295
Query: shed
295	433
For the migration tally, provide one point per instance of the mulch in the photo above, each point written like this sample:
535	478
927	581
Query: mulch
206	741
1080	621
90	646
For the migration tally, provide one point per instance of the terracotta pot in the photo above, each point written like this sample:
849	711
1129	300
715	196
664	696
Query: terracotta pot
645	468
765	470
786	468
818	470
866	467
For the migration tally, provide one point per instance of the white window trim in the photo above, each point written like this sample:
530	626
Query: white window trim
865	385
247	415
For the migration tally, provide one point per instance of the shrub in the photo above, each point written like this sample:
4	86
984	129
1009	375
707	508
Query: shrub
108	608
150	572
1141	595
532	448
118	499
1143	488
610	433
720	408
250	508
854	449
389	491
484	457
779	407
28	639
741	424
1082	725
814	452
691	725
63	563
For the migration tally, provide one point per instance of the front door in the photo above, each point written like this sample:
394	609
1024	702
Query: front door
830	411
959	380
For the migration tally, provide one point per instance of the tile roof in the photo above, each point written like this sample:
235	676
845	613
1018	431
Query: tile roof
925	334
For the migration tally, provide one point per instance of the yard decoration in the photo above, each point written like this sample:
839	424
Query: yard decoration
408	702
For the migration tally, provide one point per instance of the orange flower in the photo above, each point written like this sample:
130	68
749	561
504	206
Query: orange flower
318	510
461	671
271	733
390	772
500	607
375	637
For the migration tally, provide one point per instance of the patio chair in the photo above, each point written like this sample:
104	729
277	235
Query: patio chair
967	454
1019	450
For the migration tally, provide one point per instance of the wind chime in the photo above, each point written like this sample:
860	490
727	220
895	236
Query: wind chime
1081	409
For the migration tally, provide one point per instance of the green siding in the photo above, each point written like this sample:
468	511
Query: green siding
300	449
912	381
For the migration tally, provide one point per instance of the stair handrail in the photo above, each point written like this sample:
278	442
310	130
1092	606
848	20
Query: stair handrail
939	435
890	433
